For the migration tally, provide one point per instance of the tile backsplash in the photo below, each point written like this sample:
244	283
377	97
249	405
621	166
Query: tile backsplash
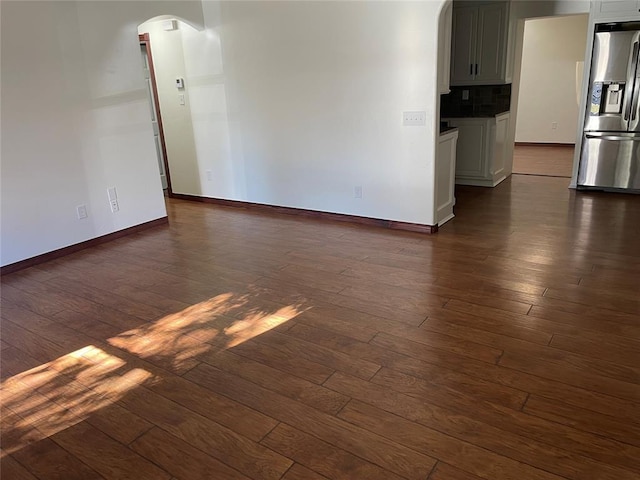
484	101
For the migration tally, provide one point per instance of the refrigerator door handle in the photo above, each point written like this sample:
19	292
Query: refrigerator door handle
634	101
631	82
614	137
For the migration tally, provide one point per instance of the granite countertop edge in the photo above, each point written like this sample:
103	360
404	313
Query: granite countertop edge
445	130
475	115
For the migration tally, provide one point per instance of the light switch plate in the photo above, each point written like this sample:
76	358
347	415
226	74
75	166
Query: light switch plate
414	119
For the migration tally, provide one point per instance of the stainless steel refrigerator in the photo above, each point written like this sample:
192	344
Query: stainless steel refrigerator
610	156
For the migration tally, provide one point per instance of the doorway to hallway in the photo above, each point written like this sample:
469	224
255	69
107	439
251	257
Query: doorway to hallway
544	160
548	95
156	117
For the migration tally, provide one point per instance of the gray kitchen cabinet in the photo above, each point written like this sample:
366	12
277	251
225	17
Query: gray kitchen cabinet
608	8
481	151
479	43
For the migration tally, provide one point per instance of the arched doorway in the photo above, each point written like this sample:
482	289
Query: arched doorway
164	42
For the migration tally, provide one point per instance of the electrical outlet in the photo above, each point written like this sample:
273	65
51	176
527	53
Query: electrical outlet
414	119
209	175
81	210
357	191
113	199
465	94
554	125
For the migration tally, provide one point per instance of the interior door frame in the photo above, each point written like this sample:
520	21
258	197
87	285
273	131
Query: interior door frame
144	40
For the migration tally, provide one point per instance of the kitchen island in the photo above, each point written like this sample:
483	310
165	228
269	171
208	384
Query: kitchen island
481	150
445	174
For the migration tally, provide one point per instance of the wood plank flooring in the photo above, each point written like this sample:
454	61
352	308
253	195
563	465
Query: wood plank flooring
547	160
235	345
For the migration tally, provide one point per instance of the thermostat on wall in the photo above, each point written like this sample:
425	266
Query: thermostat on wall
179	82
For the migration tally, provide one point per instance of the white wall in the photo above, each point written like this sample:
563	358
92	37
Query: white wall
296	103
75	121
315	93
308	105
211	119
552	46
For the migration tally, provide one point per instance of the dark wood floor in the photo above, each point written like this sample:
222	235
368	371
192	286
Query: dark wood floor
235	345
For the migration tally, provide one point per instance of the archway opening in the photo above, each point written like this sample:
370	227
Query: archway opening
187	99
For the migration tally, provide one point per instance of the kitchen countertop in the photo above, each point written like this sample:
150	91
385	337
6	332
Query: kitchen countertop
475	115
447	129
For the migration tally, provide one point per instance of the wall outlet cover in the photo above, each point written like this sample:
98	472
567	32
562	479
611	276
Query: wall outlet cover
81	210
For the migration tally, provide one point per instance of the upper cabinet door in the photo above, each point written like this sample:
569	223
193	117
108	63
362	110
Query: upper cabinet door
463	45
479	46
616	10
617	6
490	49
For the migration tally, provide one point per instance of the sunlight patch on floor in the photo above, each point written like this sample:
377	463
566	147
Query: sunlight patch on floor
54	396
243	330
42	401
181	337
